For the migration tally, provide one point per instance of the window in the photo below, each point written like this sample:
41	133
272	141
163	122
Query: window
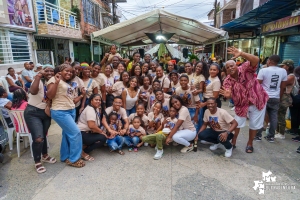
91	13
14	47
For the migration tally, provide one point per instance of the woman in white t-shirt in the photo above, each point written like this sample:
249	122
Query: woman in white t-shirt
184	130
107	81
60	89
130	96
90	84
14	80
89	124
38	122
119	86
212	85
116	74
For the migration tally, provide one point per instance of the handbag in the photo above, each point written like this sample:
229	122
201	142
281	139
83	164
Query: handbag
18	83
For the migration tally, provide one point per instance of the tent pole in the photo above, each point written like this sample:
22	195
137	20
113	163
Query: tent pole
259	52
92	50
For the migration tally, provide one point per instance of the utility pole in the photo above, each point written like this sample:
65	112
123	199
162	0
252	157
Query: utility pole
114	11
215	13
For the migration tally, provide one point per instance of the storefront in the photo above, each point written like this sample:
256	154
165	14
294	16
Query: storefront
16	30
287	34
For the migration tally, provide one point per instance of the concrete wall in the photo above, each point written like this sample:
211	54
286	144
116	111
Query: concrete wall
59	31
227	15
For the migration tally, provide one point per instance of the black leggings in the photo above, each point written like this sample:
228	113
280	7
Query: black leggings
92	140
38	123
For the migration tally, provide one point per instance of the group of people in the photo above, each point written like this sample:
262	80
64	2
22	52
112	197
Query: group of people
121	103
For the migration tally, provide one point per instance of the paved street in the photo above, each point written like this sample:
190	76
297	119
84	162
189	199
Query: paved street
196	175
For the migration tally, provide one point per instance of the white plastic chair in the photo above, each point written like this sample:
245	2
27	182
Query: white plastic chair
23	129
9	131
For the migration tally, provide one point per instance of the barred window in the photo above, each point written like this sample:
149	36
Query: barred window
14	47
92	12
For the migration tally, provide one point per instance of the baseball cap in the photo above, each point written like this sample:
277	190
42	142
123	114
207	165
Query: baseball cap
288	62
38	65
173	72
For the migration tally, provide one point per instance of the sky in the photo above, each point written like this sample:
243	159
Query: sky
195	9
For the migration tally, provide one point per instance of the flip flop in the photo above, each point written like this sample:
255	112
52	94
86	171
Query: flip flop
249	149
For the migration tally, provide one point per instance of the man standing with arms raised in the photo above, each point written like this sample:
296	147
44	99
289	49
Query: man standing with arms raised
248	95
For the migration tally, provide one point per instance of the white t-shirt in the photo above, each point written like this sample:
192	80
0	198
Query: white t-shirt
271	80
28	73
220	121
88	114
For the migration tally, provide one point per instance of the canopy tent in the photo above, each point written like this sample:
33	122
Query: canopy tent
182	30
174	52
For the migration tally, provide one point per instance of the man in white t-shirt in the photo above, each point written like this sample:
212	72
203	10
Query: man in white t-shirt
27	75
273	80
221	126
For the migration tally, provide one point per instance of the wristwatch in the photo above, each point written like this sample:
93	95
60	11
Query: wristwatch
228	132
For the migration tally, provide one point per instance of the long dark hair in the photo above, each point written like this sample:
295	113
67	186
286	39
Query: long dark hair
18	98
121	75
177	98
98	115
205	70
137	82
219	74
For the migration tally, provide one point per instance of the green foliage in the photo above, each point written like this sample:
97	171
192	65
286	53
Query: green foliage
193	56
76	10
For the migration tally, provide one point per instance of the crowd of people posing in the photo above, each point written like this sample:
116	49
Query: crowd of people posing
120	103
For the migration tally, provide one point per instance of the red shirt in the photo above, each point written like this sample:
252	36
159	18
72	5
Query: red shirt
246	90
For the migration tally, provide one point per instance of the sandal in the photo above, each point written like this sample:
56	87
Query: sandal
88	158
48	159
39	168
135	149
249	149
121	152
79	163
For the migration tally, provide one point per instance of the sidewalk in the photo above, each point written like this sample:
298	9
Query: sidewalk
195	175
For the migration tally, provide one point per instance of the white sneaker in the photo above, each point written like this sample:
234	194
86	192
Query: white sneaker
205	142
215	146
279	136
228	152
145	144
232	109
187	149
156	148
175	143
158	154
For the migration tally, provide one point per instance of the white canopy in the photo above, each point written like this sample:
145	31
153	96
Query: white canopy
132	31
174	52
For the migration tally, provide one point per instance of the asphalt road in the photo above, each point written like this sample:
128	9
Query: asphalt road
196	175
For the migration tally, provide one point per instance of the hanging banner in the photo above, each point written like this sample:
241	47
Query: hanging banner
3	12
19	14
280	24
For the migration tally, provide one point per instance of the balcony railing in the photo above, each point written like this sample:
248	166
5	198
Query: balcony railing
51	14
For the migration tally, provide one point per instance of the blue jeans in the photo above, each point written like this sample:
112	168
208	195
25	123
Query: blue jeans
115	143
10	96
131	141
71	142
132	110
198	124
28	84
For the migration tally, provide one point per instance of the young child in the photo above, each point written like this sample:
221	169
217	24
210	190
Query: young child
155	118
140	112
145	89
159	138
115	142
134	134
161	97
6	104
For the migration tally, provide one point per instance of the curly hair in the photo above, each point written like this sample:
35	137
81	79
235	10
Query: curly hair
18	98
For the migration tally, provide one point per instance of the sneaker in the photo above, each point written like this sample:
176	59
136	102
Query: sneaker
257	138
130	149
228	152
215	146
269	139
232	109
135	149
158	154
296	139
187	149
145	144
175	144
279	136
298	150
205	142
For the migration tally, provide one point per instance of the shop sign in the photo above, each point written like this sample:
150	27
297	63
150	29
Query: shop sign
3	12
18	14
280	24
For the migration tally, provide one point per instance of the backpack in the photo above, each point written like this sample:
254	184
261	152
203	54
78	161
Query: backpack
295	89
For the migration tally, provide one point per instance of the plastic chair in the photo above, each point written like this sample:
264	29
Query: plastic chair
9	131
23	130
